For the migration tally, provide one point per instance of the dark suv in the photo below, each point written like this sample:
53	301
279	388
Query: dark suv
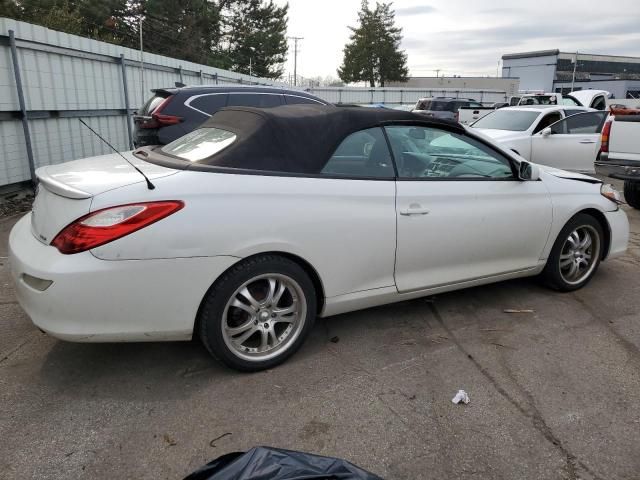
443	107
174	112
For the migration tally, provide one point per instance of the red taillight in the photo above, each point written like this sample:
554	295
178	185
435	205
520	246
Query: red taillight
604	137
159	119
109	224
164	120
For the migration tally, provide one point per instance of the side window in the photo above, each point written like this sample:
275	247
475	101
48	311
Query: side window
361	154
570	102
547	120
599	103
431	153
208	104
580	124
261	100
294	100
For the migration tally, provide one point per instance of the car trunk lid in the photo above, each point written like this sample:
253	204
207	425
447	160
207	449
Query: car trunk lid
65	191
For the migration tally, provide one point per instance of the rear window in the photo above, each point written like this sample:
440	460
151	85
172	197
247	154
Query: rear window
516	121
200	144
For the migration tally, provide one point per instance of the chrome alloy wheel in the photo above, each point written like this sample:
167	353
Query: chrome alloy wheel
579	254
264	317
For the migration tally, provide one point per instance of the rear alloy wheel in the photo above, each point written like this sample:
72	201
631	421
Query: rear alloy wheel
576	254
632	193
258	313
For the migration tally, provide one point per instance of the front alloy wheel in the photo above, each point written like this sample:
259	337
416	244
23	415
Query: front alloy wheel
575	255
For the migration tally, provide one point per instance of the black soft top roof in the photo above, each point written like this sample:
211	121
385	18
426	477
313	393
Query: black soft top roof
297	138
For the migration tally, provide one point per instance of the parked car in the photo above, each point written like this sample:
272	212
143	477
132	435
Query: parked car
468	115
254	225
620	153
173	112
596	99
560	137
443	107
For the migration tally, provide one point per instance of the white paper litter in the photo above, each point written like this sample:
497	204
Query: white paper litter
461	397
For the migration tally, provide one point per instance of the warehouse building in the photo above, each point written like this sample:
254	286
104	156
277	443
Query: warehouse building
556	71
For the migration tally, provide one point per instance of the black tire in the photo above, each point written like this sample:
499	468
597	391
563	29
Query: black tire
213	321
632	193
556	276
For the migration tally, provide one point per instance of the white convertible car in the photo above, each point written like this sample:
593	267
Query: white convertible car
247	229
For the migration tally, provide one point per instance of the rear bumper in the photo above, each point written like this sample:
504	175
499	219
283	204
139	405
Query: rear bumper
619	227
93	300
618	169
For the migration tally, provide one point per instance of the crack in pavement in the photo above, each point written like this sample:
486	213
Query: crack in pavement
532	412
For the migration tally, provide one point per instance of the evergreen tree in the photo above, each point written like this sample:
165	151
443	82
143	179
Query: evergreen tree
373	53
257	41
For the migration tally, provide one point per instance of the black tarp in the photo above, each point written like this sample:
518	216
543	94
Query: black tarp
294	138
267	463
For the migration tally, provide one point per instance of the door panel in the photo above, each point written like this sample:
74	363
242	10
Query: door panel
472	229
461	213
572	144
566	151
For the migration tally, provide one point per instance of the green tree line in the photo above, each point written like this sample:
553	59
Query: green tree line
247	36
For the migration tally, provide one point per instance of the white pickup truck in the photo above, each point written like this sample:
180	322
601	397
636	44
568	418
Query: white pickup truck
596	99
620	153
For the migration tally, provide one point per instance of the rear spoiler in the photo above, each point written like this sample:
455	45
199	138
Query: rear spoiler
59	188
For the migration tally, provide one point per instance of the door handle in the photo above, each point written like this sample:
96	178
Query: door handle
414	209
587	141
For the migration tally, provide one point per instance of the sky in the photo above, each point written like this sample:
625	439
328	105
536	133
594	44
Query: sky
467	37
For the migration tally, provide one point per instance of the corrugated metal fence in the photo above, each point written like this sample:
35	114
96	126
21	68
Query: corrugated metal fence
64	77
401	95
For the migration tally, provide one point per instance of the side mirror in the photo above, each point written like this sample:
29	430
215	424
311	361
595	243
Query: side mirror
528	171
546	132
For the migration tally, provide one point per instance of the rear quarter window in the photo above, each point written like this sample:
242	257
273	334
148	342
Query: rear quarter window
295	100
208	104
261	100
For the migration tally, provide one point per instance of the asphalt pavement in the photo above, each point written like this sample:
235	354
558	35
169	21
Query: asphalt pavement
555	393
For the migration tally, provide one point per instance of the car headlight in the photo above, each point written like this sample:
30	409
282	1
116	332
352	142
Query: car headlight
609	191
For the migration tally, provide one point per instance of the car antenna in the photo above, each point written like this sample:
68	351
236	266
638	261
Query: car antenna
150	185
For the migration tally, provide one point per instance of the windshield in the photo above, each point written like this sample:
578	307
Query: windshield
514	120
200	144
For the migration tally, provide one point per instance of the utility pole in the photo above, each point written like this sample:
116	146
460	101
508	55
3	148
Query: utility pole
141	65
250	66
295	58
575	65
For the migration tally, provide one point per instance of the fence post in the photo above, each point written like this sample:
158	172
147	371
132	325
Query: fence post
180	73
23	108
215	78
126	100
201	78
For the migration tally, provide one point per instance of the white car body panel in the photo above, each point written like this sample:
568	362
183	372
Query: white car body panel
329	223
457	237
624	140
572	152
149	285
588	96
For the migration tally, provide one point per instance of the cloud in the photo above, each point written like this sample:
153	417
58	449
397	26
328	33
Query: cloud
417	10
